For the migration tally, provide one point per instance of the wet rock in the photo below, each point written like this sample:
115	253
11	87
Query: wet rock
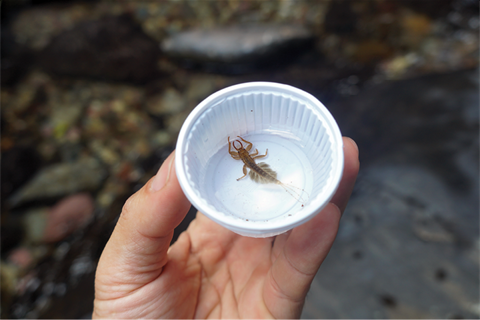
111	48
61	179
407	245
239	48
427	114
396	247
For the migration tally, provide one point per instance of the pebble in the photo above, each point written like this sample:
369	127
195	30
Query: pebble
61	179
21	257
237	48
49	225
67	216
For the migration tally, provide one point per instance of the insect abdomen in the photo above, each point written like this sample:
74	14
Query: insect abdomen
261	173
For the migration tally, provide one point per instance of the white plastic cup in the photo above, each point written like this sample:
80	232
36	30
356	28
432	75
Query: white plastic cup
304	145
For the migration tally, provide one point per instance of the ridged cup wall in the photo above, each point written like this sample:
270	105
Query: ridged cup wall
262	108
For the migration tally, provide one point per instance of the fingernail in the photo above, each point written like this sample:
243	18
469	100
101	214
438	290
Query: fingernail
162	176
354	143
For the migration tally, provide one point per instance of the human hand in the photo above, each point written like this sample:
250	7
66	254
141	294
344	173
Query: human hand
209	272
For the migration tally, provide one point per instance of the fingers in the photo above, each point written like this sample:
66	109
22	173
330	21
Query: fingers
297	255
350	171
137	249
293	270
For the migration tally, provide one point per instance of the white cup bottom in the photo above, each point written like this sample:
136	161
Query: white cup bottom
250	200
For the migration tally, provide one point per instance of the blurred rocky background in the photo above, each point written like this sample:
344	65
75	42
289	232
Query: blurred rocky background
93	94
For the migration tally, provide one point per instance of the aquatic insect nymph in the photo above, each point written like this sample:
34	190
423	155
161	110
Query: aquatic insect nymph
260	173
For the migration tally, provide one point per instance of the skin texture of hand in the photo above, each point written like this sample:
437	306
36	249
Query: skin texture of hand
209	272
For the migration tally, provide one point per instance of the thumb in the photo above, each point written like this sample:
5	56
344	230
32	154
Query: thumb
299	255
137	249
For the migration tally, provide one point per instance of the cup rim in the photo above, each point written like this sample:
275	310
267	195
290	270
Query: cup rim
251	228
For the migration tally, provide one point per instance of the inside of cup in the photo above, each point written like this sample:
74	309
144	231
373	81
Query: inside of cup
299	145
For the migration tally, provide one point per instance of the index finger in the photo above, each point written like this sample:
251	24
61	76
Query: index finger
350	172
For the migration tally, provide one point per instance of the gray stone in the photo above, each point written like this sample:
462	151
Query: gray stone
238	48
408	243
61	179
385	263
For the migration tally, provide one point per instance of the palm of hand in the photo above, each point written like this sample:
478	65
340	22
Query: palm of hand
231	275
213	273
223	270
